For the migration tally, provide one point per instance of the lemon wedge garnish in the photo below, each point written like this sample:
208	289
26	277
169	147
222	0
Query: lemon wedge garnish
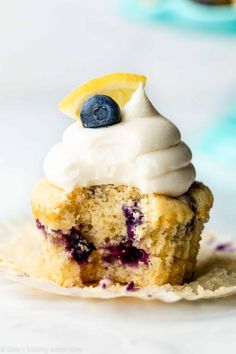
119	86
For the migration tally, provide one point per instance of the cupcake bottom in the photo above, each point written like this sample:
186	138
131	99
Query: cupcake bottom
115	234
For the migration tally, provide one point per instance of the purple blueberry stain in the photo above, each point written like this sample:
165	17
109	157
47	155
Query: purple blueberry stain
125	252
59	233
105	282
131	286
79	248
225	247
133	218
41	227
73	241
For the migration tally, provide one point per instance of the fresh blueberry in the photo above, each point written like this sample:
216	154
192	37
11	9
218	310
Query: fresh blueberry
100	111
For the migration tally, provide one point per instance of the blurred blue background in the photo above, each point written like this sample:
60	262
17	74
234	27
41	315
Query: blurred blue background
48	47
189	14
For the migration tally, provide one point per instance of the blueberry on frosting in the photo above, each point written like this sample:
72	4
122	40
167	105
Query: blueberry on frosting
100	111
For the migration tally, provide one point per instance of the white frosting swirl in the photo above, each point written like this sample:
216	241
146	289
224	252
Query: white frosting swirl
143	151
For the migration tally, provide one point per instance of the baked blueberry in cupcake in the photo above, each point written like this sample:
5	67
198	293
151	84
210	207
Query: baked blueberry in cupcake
119	200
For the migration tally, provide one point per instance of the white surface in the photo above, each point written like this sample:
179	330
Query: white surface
47	47
118	326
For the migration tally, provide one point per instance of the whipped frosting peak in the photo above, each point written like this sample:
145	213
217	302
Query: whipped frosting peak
144	151
139	106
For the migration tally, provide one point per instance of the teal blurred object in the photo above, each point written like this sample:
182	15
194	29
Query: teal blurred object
215	160
216	151
219	142
184	13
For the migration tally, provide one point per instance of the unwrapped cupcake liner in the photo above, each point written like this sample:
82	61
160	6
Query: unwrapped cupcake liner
215	274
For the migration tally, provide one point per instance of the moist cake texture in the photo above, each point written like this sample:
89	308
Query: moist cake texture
116	232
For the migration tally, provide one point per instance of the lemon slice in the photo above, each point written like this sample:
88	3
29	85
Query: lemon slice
119	86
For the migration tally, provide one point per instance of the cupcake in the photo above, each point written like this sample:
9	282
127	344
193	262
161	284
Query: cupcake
119	203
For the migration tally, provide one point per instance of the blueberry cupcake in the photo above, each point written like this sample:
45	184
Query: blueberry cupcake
119	201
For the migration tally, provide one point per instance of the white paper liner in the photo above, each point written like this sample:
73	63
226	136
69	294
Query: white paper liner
215	274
